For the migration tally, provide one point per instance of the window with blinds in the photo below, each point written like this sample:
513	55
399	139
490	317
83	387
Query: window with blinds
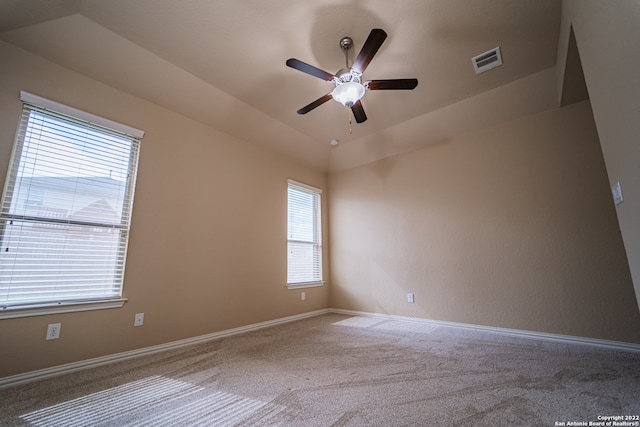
304	260
66	207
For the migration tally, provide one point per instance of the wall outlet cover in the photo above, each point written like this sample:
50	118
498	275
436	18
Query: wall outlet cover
139	319
53	331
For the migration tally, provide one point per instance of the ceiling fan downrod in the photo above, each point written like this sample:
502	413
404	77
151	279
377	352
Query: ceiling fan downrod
346	43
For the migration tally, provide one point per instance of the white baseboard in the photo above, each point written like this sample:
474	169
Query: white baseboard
569	339
41	374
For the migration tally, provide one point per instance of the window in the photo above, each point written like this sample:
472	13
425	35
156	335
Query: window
304	260
66	210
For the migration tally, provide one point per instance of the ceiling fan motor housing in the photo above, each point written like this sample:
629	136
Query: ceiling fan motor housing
346	75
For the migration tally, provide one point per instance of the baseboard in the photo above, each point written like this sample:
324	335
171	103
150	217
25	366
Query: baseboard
41	374
569	339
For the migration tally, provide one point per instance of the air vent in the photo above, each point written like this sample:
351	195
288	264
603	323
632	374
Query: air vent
487	61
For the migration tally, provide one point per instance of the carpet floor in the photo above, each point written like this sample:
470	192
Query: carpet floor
338	370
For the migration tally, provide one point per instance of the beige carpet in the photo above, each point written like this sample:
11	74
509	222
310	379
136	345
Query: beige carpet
337	370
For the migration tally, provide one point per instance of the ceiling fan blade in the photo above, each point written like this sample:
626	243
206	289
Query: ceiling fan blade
393	84
369	49
358	112
309	69
314	104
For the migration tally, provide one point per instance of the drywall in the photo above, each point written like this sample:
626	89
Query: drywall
207	250
511	226
522	97
608	38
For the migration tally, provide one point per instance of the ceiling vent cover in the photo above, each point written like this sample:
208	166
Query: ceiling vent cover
487	61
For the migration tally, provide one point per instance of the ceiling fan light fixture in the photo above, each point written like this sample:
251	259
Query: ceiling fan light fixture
348	93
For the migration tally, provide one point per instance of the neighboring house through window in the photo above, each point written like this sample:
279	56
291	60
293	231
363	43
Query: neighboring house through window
304	230
66	210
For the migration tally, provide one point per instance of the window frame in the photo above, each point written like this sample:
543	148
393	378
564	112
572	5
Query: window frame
92	123
316	243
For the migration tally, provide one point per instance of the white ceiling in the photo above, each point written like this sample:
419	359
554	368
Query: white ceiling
222	62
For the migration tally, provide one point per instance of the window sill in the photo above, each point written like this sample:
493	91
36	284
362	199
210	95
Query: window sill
304	285
62	307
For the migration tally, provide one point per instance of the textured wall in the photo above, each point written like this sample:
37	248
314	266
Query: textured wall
208	240
512	226
608	38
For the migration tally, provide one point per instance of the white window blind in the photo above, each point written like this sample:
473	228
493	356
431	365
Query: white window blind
304	260
66	209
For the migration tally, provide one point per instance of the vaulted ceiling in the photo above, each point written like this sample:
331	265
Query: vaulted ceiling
222	62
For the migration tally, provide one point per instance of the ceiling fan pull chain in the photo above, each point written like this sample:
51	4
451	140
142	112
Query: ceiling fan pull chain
350	121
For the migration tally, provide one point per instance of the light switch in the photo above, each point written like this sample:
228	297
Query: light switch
617	193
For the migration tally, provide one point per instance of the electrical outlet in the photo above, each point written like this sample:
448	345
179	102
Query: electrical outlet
139	319
53	331
409	297
303	296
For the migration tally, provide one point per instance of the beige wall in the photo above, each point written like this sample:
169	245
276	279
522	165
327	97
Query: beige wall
511	226
208	242
608	39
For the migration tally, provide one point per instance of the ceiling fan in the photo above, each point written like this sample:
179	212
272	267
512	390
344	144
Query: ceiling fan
349	86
